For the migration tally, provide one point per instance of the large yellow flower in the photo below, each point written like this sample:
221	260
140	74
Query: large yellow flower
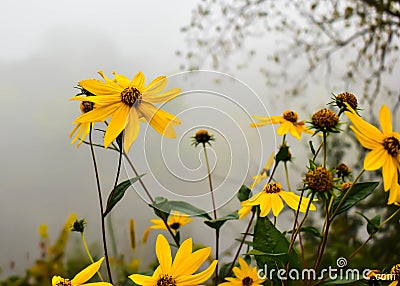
180	271
288	123
245	276
175	222
271	198
384	146
126	101
81	277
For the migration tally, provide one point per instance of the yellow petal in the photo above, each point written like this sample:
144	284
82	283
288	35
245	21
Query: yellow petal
132	129
264	120
364	127
389	174
138	81
142	279
99	88
244	211
284	128
265	205
366	141
158	119
98	114
155	86
292	200
385	120
238	273
276	203
195	260
57	280
100	101
163	97
122	80
97	284
198	278
163	252
375	159
180	261
87	273
117	124
295	131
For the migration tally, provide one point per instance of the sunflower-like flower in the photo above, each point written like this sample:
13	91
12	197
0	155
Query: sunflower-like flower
81	277
180	271
384	146
245	276
271	198
175	221
126	101
288	123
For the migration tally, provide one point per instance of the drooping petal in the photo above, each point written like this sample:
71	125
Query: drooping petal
163	97
97	284
132	129
100	100
155	86
276	203
385	119
244	211
375	159
366	141
87	273
99	88
117	124
142	279
198	278
122	80
163	252
364	127
138	81
292	200
264	120
388	173
98	114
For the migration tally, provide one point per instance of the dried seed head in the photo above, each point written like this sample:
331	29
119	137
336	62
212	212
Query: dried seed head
325	119
320	179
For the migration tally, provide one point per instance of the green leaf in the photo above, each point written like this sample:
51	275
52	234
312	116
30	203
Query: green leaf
219	222
270	241
118	193
373	224
258	252
357	193
309	229
164	205
283	154
244	193
312	147
129	282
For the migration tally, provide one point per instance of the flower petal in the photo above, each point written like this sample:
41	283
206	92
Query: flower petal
198	278
195	260
366	141
98	114
180	261
375	159
265	205
364	127
264	120
87	273
163	252
142	279
389	174
132	129
122	80
117	124
97	284
276	203
99	88
292	200
244	211
385	119
100	100
284	128
163	97
155	86
138	81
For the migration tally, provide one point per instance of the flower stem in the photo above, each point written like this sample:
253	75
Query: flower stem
88	253
103	229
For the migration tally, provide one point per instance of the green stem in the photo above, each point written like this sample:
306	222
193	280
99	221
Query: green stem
287	177
103	229
324	142
88	253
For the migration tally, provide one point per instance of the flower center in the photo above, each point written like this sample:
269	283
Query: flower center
325	118
320	179
65	282
272	188
392	146
175	225
86	106
130	95
166	280
290	116
247	281
348	97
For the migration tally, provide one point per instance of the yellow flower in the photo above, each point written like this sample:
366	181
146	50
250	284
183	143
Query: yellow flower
271	198
288	123
81	277
395	271
384	146
44	231
82	128
126	101
175	221
263	174
245	276
180	271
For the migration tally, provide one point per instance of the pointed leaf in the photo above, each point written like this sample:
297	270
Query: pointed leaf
218	223
166	206
118	193
244	193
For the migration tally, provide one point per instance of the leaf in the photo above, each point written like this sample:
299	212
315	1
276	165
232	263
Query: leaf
118	193
165	206
373	224
244	193
219	222
312	147
309	229
283	154
258	252
129	282
357	193
267	239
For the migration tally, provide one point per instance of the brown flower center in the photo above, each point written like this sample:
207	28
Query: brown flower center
348	97
175	225
272	188
396	271
325	118
290	115
166	280
247	281
86	106
342	170
130	95
202	137
65	282
320	179
391	145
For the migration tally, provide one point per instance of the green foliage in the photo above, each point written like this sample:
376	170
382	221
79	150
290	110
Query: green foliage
219	222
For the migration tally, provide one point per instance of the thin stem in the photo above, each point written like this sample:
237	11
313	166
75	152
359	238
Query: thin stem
214	211
88	253
324	142
287	177
103	228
